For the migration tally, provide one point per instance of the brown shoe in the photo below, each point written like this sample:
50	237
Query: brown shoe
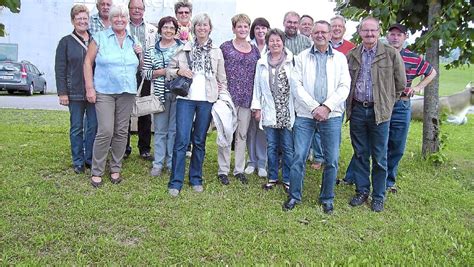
115	180
94	183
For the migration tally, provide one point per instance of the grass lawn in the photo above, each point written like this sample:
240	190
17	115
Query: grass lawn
51	216
453	80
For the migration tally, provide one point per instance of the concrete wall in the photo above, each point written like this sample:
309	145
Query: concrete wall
40	25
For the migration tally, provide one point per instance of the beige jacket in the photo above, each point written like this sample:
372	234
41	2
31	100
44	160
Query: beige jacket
218	72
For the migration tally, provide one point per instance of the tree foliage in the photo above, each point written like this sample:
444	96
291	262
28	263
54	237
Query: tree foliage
453	27
14	6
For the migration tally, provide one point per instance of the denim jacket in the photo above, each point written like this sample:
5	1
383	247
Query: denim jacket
388	79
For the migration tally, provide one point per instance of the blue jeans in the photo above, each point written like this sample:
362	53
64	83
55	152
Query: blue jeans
82	135
303	131
194	115
279	140
397	139
165	132
369	140
317	149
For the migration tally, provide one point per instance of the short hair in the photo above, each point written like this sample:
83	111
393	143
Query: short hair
181	4
307	16
97	3
291	13
76	9
240	18
119	9
258	22
275	31
324	23
366	19
129	1
340	18
165	20
200	18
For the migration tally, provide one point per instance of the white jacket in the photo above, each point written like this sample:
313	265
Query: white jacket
224	115
262	96
338	79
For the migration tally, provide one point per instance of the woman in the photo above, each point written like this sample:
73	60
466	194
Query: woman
256	140
206	70
154	68
69	62
238	53
273	105
183	11
113	88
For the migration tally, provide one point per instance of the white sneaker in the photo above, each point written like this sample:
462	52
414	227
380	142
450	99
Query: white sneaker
262	172
189	154
249	170
198	188
173	192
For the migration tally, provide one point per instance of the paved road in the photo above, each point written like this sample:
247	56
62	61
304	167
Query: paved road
49	102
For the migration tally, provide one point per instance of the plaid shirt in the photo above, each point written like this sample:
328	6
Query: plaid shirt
95	24
364	80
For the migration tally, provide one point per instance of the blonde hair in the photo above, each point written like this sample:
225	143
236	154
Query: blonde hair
117	10
198	19
240	18
76	9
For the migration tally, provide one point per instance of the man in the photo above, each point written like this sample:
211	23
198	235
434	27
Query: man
145	34
100	21
400	122
306	25
378	79
338	26
321	79
184	11
294	41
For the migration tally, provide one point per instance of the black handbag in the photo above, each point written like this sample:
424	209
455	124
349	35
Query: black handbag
180	85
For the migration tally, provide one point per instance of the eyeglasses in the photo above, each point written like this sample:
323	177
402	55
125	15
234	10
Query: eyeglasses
367	31
322	33
171	28
183	12
137	8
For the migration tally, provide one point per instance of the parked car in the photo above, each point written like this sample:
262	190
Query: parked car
21	76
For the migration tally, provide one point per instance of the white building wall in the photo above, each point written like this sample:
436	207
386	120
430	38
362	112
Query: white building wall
40	25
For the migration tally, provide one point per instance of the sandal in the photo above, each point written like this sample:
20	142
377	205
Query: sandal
116	180
269	185
94	183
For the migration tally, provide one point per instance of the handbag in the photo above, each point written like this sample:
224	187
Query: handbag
145	105
180	85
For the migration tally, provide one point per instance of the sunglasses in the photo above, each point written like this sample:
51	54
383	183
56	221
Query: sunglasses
183	12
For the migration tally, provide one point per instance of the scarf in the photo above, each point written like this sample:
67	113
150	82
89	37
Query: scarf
201	57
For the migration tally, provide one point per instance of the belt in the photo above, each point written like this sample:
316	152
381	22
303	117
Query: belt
365	104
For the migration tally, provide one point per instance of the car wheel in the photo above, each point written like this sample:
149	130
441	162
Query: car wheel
43	92
31	90
11	92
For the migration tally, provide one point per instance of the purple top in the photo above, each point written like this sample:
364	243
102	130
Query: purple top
240	71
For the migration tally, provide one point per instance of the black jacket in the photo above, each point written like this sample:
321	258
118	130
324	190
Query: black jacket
69	68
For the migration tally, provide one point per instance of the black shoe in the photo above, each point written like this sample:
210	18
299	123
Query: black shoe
223	179
328	208
359	199
242	178
146	156
79	169
289	204
377	205
392	189
347	182
88	165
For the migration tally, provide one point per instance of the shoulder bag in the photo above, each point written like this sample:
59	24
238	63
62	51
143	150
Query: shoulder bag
145	105
180	85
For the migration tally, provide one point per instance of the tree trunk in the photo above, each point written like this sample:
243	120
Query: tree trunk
431	98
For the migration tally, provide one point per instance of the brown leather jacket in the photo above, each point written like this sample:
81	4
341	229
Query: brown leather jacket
388	79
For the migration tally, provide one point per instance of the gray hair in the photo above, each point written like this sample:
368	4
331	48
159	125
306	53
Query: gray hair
119	10
291	13
198	19
323	22
339	17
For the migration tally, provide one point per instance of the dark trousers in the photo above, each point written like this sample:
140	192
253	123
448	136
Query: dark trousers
144	123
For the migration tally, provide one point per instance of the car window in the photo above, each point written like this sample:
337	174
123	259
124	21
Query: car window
35	69
7	66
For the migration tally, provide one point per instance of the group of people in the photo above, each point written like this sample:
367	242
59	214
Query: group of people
274	98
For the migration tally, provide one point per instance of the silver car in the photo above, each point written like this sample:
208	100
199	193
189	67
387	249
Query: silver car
21	76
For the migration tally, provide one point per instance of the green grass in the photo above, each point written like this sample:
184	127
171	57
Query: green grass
51	216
